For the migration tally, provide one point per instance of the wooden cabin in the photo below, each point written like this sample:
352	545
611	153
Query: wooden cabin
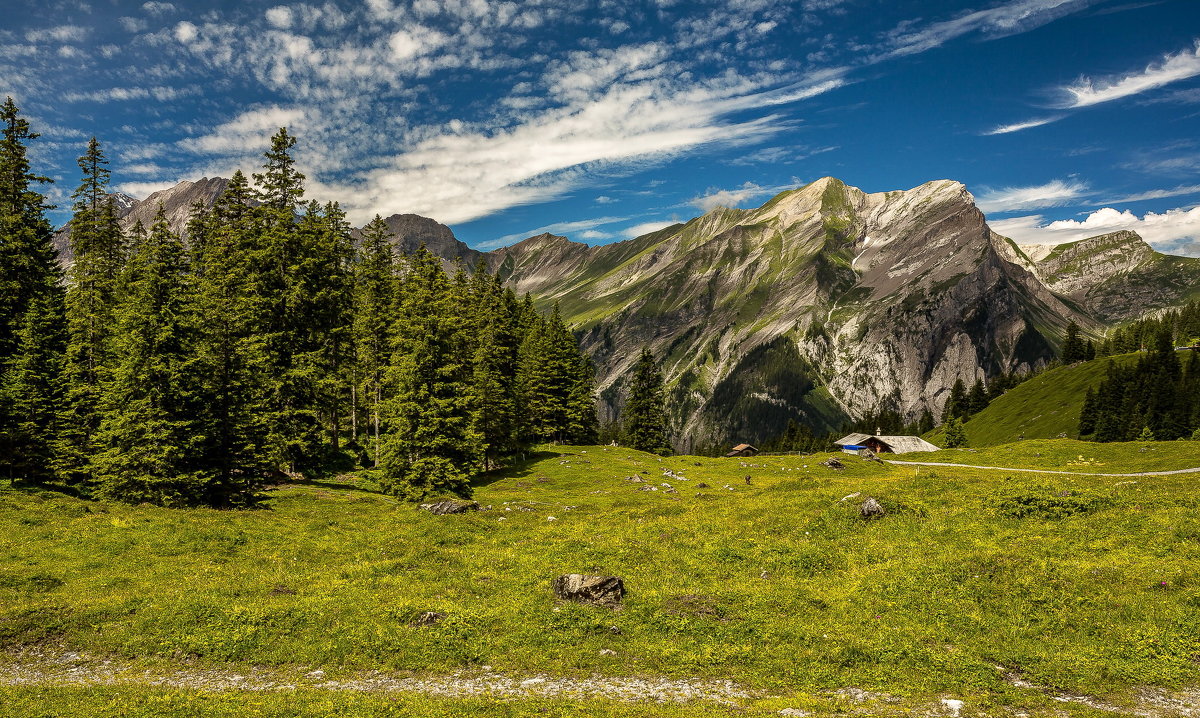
852	443
743	450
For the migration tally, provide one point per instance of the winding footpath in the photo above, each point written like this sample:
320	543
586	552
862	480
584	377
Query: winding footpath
1044	471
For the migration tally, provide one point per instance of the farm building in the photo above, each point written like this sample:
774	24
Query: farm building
884	444
743	450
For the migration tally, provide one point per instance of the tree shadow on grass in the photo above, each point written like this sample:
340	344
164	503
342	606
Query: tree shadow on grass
517	469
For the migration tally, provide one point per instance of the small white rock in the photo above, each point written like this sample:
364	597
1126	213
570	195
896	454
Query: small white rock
953	705
793	712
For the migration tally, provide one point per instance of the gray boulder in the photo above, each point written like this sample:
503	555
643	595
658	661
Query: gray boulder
595	590
871	509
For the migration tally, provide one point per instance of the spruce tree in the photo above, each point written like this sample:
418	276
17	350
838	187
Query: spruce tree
977	399
374	298
32	311
645	415
956	435
956	405
97	249
1073	348
147	426
432	443
229	361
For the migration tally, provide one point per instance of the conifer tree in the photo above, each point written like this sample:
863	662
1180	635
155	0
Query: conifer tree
374	297
956	406
32	311
432	442
1073	348
96	244
229	363
645	413
956	435
977	400
147	426
497	364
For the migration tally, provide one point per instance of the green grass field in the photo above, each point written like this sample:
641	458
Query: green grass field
974	580
1042	408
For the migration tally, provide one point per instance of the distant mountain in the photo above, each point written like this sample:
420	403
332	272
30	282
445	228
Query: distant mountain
824	303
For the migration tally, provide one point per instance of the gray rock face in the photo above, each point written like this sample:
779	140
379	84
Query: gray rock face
409	231
450	506
823	304
177	203
596	590
871	509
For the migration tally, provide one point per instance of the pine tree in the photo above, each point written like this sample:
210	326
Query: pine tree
147	424
432	443
977	400
229	361
956	435
645	415
956	406
1073	348
32	311
374	298
925	424
97	246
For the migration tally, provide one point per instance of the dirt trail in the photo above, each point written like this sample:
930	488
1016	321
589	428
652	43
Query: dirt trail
74	669
1043	471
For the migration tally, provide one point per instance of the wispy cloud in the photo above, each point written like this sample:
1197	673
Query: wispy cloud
638	230
735	197
556	228
1179	191
1007	19
1171	68
1052	194
1176	230
1018	126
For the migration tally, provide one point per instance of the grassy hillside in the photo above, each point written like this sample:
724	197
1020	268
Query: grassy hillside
1041	408
972	581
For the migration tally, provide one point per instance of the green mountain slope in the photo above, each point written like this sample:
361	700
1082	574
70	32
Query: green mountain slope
1041	408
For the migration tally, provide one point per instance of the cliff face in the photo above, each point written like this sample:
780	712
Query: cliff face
1118	276
824	303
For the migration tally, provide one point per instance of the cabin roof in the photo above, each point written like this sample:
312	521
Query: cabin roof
742	447
898	444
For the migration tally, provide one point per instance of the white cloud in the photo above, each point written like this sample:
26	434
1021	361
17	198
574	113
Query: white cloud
158	8
638	230
280	16
133	24
61	33
247	134
1007	19
562	228
186	32
121	94
146	168
1052	194
733	197
414	42
1172	68
1018	126
1174	230
1155	194
141	190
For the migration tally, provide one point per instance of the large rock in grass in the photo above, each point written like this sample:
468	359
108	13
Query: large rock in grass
596	590
451	506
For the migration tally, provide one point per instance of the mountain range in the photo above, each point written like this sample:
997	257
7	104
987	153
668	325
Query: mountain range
824	304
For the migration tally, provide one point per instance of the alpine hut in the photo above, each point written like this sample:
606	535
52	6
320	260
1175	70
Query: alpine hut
853	443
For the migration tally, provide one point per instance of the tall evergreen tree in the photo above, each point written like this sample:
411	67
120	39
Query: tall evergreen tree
229	361
147	426
1073	348
645	414
374	297
432	443
97	248
32	311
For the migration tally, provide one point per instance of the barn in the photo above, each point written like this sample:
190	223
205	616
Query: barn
743	450
851	443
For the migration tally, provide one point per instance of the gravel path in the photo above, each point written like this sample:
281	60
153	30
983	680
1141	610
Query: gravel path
74	669
1044	471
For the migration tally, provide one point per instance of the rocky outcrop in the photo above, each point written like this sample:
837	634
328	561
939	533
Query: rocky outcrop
596	590
410	231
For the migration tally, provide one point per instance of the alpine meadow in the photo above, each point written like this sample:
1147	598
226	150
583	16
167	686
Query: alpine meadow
713	358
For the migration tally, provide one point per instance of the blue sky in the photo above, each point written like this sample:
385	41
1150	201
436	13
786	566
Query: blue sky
604	119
